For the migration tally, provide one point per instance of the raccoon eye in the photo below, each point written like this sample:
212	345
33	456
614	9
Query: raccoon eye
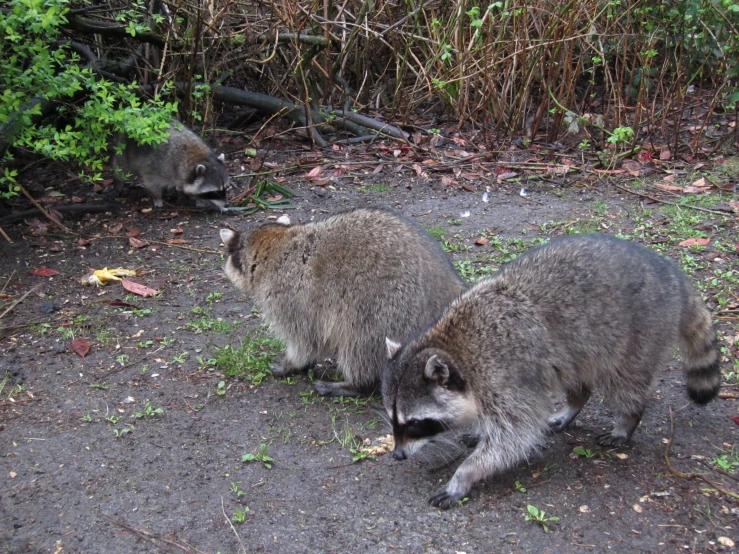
419	428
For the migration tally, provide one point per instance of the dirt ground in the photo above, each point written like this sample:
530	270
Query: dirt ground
138	446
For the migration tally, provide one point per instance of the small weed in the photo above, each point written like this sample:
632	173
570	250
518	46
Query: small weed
251	360
213	297
143	370
539	516
449	246
143	312
113	420
519	487
373	188
584	452
87	418
180	359
166	341
372	424
206	323
259	456
221	388
148	411
120	433
437	232
455	222
96	386
104	337
728	462
205	364
235	489
122	359
463	501
240	514
288	380
4	382
145	344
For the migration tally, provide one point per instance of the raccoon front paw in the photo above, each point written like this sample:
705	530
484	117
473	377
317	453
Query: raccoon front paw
335	389
445	499
609	439
281	369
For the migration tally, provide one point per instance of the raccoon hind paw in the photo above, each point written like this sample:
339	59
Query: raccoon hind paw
608	439
445	499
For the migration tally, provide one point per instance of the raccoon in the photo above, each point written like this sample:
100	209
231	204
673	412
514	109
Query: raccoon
575	315
184	163
341	285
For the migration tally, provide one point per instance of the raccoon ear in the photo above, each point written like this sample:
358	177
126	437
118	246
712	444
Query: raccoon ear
199	170
222	157
392	347
436	370
227	235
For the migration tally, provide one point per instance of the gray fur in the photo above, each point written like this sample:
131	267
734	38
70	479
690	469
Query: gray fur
342	284
576	315
183	163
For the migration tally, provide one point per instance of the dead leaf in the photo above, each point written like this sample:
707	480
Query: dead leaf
482	241
44	272
137	243
133	231
176	241
81	347
83	242
632	167
378	169
735	419
447	180
699	182
470	188
115	229
671	188
77	200
665	155
694	242
138	288
177	231
313	173
37	227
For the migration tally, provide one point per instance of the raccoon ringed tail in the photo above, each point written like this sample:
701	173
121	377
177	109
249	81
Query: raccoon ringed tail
700	352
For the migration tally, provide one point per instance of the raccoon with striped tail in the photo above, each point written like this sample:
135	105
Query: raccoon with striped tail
342	284
575	315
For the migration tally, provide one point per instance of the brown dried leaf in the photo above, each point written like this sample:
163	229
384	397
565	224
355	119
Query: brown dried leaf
138	288
44	272
137	243
665	154
115	229
133	231
469	188
81	347
482	241
694	242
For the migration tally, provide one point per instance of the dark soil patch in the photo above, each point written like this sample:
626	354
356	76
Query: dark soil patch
171	484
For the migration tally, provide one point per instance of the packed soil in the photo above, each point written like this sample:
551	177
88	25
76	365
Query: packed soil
138	446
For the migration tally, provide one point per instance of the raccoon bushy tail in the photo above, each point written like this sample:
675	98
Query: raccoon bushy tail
700	352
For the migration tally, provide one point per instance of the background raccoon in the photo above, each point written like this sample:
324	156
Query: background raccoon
580	313
184	163
341	285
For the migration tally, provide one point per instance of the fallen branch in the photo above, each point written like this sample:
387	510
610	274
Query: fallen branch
152	538
45	212
14	304
690	476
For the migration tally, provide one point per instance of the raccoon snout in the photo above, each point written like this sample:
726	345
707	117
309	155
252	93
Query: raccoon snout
399	454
